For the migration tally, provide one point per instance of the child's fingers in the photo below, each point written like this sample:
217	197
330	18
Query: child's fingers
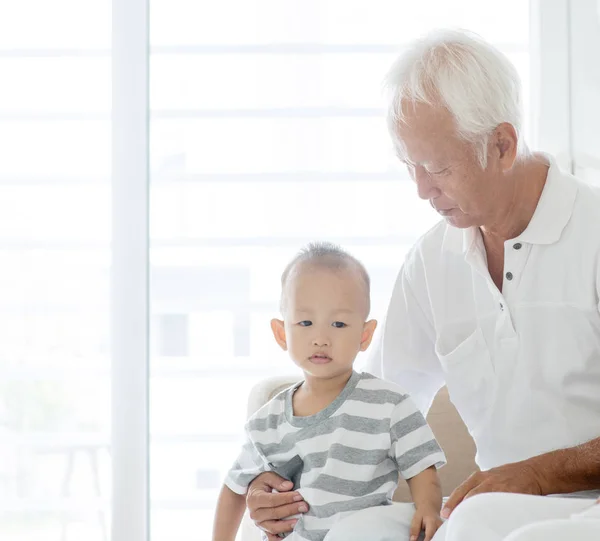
415	527
431	525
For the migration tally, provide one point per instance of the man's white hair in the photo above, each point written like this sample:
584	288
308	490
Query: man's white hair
460	71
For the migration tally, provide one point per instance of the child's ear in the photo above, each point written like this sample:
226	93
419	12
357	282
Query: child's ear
367	334
278	328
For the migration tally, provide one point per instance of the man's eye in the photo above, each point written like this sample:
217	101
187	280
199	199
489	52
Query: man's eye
305	323
440	172
339	324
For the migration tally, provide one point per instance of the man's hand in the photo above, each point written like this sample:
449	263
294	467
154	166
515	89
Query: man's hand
520	478
267	508
427	520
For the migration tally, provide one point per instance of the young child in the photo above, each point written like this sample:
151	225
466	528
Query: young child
342	437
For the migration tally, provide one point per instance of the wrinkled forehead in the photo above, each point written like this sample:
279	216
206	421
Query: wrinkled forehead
424	132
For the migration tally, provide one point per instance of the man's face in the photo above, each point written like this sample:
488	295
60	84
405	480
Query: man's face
444	167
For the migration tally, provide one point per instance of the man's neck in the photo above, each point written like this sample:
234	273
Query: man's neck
522	194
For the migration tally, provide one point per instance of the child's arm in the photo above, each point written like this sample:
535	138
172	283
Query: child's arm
228	517
426	493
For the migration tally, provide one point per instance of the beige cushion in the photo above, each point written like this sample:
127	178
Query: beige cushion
456	442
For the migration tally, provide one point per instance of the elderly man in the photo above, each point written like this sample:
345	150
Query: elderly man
499	301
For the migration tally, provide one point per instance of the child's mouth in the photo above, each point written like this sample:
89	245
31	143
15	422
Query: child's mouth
320	359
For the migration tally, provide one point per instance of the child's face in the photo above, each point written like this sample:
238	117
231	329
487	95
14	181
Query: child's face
324	320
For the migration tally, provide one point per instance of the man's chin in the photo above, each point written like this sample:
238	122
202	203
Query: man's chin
460	221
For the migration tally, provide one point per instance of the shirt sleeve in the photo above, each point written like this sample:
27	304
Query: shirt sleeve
404	351
247	467
413	445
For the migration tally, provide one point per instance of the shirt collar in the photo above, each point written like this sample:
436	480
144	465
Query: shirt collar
551	215
554	208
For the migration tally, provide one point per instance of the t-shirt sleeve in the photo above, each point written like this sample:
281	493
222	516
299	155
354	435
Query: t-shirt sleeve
248	465
403	350
413	445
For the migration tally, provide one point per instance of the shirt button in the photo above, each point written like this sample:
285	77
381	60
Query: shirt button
509	275
517	246
501	306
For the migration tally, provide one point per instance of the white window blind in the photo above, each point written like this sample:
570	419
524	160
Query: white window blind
267	131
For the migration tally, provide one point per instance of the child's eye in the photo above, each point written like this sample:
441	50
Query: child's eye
339	324
305	323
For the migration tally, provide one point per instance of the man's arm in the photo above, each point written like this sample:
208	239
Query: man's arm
557	472
404	348
569	470
228	517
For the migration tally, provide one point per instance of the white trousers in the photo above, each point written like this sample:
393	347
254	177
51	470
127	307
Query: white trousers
487	517
383	523
517	517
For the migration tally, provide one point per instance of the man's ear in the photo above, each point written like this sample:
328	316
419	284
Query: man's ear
367	334
506	142
278	328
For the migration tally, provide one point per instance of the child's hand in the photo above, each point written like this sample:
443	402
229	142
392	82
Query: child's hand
425	519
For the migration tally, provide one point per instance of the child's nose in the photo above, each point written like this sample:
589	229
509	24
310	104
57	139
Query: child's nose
321	340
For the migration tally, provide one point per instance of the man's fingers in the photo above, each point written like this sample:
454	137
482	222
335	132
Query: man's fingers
272	480
272	499
275	527
479	489
415	527
458	495
276	513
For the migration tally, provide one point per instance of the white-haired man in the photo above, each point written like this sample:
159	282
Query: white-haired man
500	301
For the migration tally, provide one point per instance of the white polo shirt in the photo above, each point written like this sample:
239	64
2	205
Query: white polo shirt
522	366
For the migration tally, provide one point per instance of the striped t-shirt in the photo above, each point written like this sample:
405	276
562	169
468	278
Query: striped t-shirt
347	457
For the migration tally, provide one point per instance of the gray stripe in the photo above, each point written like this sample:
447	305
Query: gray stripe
252	452
345	487
355	504
413	456
407	425
353	423
265	423
244	479
377	396
349	455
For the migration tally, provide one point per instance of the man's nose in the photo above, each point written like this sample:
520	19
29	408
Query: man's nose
426	187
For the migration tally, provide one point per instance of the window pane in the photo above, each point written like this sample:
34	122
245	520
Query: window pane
64	24
54	272
233	22
274	81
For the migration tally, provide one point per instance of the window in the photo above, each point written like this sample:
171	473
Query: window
267	131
